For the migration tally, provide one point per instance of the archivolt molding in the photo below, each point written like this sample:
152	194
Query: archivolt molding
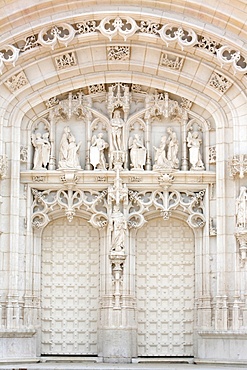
125	27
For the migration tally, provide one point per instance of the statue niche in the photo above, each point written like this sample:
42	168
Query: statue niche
137	152
194	142
68	151
97	152
40	139
166	154
117	130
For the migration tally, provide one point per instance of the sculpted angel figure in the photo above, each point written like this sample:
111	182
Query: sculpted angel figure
69	151
42	150
97	151
194	142
116	130
137	152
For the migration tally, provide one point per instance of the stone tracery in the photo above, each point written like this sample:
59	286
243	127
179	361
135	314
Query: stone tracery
64	33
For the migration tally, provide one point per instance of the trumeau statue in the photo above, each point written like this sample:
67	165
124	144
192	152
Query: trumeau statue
194	143
42	150
117	130
137	152
97	152
118	227
68	151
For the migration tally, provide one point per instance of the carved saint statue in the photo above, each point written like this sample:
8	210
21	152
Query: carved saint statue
42	150
69	151
194	142
137	152
118	226
160	152
97	152
116	130
172	151
241	209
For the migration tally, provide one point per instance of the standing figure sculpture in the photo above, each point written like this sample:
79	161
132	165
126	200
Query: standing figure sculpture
116	130
46	149
172	151
241	209
137	152
194	142
97	152
119	227
42	150
68	151
160	152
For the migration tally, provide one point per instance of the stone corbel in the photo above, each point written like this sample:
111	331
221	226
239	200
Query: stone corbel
69	177
241	236
238	165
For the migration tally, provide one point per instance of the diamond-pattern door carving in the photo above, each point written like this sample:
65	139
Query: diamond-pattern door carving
70	279
165	288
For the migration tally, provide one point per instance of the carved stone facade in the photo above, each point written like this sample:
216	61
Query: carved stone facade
123	183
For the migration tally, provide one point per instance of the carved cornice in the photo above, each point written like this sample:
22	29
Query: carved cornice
125	27
134	179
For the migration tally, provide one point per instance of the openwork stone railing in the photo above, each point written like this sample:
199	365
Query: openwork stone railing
64	33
